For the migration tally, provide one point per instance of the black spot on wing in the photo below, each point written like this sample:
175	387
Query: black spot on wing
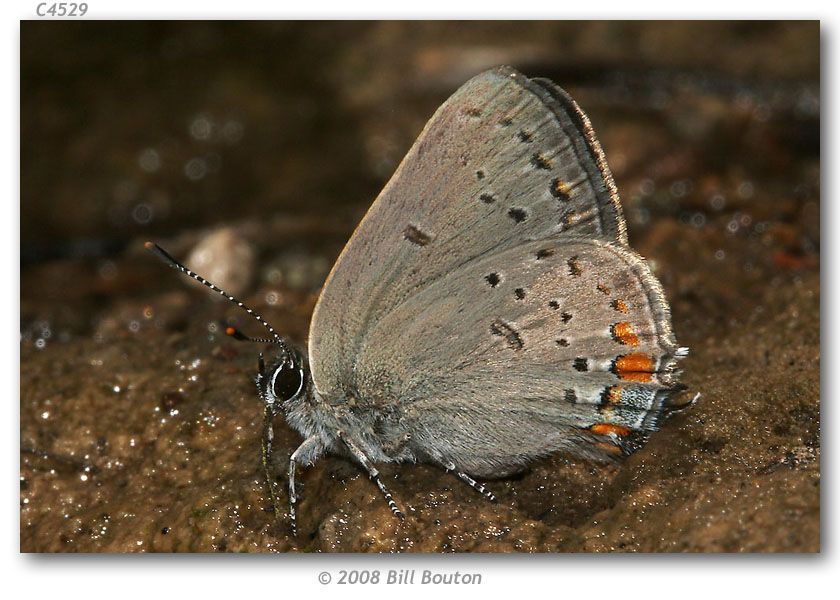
560	189
574	267
540	162
415	236
502	329
517	214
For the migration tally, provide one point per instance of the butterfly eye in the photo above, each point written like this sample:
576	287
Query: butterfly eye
286	382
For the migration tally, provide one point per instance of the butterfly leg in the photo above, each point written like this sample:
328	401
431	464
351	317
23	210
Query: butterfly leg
268	442
449	466
267	447
374	474
306	453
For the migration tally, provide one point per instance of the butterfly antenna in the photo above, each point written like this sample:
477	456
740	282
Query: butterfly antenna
168	259
238	335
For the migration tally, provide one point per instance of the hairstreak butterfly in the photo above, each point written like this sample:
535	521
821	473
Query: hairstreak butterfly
487	310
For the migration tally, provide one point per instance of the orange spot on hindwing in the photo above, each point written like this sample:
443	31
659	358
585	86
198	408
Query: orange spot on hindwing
623	333
561	190
634	367
574	267
606	429
611	395
620	306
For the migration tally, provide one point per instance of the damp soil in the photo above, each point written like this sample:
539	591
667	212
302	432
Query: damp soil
140	427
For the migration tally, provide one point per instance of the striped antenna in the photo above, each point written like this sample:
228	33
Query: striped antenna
238	335
168	259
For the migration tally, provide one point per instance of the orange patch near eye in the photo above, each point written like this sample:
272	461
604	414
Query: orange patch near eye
623	333
634	367
620	306
606	429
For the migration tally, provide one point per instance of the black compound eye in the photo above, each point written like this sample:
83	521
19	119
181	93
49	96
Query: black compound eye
287	382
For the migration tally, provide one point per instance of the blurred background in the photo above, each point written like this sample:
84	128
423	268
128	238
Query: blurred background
253	149
136	130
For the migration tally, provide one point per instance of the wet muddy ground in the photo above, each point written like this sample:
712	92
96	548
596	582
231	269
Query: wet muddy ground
264	144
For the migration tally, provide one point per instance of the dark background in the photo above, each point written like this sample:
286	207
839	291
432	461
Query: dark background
314	116
283	133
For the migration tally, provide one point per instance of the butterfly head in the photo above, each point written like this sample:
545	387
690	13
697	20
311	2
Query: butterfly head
284	382
286	379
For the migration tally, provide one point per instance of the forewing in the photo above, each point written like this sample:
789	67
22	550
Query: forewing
504	161
554	344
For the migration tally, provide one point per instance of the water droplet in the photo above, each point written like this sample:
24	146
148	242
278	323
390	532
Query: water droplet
746	189
232	131
201	127
107	269
647	187
195	169
142	213
681	188
149	160
272	298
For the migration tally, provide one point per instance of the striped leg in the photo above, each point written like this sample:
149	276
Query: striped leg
267	442
374	474
470	482
304	453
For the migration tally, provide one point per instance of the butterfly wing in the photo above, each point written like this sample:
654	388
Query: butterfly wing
557	344
504	161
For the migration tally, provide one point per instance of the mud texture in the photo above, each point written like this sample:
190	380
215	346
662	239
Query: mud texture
140	428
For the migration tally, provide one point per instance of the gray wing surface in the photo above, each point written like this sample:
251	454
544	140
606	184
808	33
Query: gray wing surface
504	161
524	352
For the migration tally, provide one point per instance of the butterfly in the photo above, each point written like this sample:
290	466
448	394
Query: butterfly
486	312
